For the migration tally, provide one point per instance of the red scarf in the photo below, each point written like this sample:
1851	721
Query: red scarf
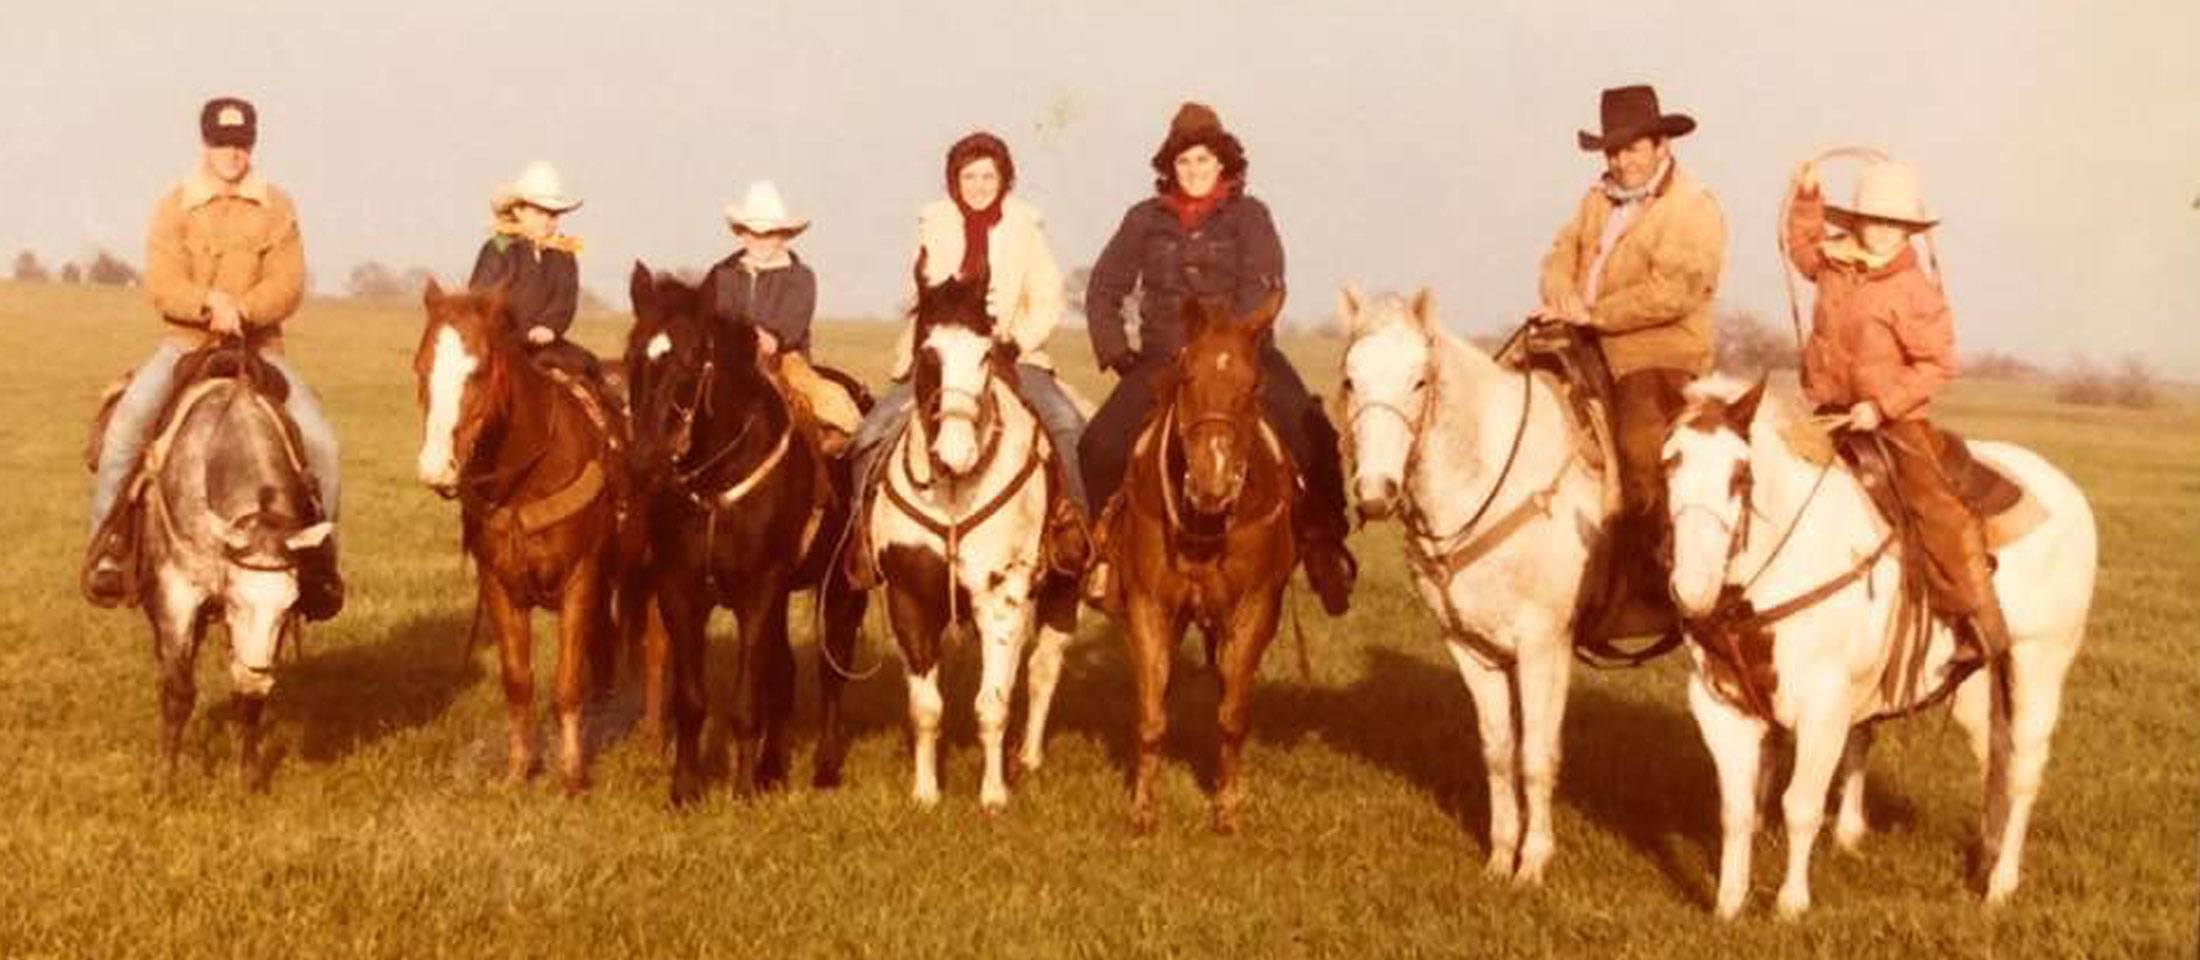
1193	211
977	227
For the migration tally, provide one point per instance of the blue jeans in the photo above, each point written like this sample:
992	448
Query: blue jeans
132	425
1037	386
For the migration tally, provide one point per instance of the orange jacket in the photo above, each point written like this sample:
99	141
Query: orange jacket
242	240
1882	334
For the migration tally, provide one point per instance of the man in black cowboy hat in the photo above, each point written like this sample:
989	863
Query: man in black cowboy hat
1638	266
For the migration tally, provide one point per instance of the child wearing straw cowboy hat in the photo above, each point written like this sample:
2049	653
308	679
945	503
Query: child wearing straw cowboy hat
538	266
765	285
1882	343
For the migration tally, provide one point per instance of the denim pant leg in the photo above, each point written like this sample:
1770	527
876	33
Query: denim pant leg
1285	398
1062	421
314	431
888	413
129	428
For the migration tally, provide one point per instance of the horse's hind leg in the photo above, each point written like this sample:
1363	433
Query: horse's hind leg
1057	616
836	651
2037	671
515	641
1491	689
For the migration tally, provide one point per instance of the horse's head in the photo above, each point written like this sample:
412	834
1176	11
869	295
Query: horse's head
956	361
1708	481
679	357
1389	384
1218	403
464	386
260	549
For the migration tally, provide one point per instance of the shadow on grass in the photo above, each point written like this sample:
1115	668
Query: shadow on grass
348	697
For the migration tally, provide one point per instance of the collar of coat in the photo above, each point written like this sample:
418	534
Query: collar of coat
1850	254
943	213
202	187
787	258
509	232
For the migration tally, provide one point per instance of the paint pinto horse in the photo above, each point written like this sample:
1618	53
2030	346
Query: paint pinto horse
538	481
1822	611
1201	532
959	528
1479	463
742	509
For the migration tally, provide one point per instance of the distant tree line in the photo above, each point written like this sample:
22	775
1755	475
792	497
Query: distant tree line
102	268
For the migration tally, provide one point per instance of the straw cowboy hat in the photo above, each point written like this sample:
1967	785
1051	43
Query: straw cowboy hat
1630	113
763	210
537	186
1886	192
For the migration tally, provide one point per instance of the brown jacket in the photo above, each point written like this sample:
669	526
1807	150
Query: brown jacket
242	240
1881	334
1653	307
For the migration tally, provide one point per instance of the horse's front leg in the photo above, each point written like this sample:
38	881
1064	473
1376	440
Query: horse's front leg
764	691
581	615
1736	741
1540	677
515	641
1821	732
1849	825
1002	616
1153	635
1057	616
173	612
836	651
686	612
1490	687
1252	626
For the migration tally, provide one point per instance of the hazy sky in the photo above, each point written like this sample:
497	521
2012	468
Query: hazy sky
1397	143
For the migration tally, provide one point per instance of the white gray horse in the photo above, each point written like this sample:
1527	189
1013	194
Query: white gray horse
958	530
1823	582
1480	464
227	508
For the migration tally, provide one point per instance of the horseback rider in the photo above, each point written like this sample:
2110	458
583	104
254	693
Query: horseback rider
1882	343
223	260
766	285
539	267
1202	235
981	229
1636	268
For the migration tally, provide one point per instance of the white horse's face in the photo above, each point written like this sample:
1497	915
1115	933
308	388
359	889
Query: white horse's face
961	357
258	590
1707	475
1387	383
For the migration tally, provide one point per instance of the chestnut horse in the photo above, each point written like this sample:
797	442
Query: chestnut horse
539	479
742	508
1201	533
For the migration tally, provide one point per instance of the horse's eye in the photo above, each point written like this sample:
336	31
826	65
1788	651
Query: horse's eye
1348	384
1418	384
1672	462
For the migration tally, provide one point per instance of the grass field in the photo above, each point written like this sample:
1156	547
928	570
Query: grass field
385	834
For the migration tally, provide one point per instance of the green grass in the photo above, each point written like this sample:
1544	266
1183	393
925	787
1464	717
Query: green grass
385	834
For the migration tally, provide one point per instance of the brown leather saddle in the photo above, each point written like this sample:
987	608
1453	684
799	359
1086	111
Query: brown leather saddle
212	362
1983	489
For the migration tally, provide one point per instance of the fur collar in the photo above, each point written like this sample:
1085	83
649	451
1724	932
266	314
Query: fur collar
202	187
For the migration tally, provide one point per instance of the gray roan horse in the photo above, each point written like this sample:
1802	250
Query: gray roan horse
226	512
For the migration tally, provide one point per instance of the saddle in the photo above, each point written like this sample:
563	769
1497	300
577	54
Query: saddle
1570	356
1991	497
212	362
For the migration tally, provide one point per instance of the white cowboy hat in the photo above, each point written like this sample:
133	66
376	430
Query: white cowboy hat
537	186
764	211
1886	192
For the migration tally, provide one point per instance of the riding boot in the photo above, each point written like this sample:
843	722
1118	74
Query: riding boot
1637	599
106	583
320	585
1989	631
1068	536
1321	520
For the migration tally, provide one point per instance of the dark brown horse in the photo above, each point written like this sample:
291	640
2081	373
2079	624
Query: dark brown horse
539	476
742	509
1202	534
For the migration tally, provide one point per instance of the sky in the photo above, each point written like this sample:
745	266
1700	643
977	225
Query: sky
1398	144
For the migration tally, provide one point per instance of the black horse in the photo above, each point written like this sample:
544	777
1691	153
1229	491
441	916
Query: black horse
742	508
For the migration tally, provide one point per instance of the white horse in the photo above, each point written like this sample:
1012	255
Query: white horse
1499	512
957	530
1829	600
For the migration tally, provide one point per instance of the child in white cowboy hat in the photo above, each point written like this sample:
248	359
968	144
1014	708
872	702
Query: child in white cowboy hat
765	285
1882	343
538	265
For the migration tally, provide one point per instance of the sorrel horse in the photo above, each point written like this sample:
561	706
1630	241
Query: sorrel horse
1202	534
1790	579
960	524
539	478
742	508
1479	465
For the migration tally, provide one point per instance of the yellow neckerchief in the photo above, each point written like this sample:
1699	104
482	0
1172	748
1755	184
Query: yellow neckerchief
556	241
1848	250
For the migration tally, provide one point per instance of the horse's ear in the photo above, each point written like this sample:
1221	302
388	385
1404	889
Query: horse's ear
1743	411
1423	309
1349	301
309	537
640	286
1263	317
432	297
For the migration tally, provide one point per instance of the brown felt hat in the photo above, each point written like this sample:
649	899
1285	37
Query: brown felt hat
1629	114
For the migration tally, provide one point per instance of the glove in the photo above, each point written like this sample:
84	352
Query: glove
1865	417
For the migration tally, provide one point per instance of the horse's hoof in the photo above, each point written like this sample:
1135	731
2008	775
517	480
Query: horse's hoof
826	778
1498	867
1226	823
1792	905
1143	822
926	801
685	792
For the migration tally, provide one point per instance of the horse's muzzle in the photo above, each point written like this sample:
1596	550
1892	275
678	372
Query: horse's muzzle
1378	500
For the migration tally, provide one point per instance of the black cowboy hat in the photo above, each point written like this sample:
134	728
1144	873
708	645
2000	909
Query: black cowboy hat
1630	113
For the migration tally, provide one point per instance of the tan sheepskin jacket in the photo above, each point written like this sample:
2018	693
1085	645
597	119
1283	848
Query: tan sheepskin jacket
243	240
1654	300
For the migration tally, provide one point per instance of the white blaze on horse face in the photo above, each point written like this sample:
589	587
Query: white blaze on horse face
1384	368
256	602
658	346
446	388
962	362
1706	511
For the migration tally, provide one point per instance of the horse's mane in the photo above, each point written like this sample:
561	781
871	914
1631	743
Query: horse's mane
1781	411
